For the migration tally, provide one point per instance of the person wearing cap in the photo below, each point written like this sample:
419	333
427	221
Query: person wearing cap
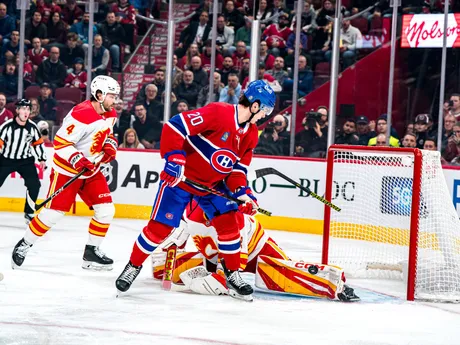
47	103
52	70
276	35
421	125
364	130
77	78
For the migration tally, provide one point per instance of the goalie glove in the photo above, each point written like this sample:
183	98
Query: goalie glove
249	205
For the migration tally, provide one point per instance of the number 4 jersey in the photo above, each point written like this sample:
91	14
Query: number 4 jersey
216	146
85	131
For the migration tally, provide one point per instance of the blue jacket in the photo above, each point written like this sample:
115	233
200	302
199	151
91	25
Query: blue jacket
303	41
230	100
7	24
82	31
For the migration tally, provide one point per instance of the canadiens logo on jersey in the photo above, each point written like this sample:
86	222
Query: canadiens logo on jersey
223	161
98	141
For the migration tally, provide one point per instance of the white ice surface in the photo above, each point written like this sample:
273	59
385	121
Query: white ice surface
51	300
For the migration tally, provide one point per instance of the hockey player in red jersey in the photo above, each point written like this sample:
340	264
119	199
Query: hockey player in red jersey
212	145
86	134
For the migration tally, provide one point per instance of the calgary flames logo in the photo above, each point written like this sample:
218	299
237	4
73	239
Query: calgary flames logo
206	246
98	141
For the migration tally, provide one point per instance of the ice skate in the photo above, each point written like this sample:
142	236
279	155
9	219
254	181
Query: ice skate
348	295
127	277
94	259
237	287
19	253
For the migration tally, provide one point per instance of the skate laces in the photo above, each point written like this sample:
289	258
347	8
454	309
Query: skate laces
236	279
23	248
130	273
99	253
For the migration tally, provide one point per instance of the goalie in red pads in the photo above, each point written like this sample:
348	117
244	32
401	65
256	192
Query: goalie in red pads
199	271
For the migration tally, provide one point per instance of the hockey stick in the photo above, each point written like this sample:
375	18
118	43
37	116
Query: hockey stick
36	207
169	267
272	171
219	193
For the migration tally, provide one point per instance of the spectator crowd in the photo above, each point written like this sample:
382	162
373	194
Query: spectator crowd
56	45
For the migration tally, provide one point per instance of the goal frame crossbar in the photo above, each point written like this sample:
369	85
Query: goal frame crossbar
415	202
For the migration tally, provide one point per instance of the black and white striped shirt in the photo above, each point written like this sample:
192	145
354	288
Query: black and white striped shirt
17	142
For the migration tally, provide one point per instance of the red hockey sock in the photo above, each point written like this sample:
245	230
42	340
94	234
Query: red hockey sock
228	240
149	239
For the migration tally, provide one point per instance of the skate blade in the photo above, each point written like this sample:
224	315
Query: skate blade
87	265
236	295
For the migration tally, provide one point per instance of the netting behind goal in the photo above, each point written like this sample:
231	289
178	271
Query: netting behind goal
377	234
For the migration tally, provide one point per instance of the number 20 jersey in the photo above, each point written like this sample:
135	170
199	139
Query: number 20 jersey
217	148
85	131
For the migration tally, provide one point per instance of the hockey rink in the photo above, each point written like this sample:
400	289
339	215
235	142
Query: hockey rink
52	301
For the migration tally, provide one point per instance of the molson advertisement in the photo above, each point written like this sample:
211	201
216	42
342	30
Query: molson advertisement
427	30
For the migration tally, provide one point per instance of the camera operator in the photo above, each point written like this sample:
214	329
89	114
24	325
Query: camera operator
348	134
275	138
312	140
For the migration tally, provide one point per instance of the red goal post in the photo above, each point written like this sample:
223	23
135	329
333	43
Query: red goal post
401	222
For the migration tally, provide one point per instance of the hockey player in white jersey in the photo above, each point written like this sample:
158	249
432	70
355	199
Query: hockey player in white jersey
86	134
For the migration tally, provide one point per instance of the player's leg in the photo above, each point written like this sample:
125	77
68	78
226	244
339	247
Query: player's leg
48	216
221	213
167	211
96	194
268	248
28	171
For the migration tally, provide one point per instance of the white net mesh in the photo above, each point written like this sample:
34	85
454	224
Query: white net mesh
370	237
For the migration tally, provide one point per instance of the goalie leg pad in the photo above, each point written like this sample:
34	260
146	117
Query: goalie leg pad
184	261
298	277
202	282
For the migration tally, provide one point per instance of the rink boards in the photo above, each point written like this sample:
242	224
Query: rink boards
133	180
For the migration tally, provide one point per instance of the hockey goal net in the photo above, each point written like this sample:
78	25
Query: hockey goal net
398	223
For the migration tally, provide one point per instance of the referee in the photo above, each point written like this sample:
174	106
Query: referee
18	137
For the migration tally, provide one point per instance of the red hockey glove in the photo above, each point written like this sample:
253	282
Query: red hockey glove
80	162
249	205
174	168
110	149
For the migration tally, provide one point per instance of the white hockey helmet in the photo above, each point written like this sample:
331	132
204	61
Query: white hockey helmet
104	84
